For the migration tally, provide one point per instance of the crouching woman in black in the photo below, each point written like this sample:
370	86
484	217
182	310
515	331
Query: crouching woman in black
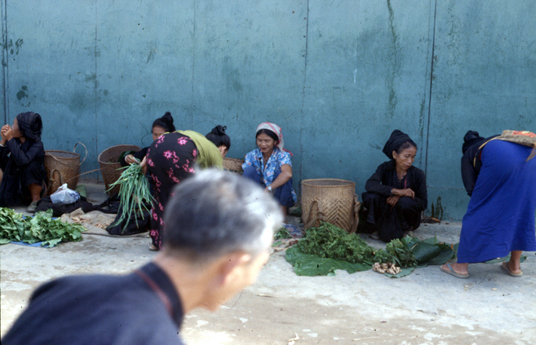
22	156
396	193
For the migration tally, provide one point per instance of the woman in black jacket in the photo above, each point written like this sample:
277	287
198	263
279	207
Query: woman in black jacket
22	156
396	193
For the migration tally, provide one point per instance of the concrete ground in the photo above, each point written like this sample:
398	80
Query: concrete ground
426	307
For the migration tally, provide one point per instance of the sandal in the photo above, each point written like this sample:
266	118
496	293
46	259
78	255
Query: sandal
452	273
153	248
505	267
375	236
32	207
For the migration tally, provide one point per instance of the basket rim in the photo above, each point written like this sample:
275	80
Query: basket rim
308	182
49	152
113	147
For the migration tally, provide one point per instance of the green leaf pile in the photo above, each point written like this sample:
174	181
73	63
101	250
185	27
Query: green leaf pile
330	241
282	234
328	248
39	228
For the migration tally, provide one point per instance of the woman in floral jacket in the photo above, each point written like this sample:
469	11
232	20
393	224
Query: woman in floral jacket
270	165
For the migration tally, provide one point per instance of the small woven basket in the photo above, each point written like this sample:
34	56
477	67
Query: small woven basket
330	200
109	165
233	165
62	167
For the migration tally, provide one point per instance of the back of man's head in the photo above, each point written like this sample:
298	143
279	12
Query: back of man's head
215	213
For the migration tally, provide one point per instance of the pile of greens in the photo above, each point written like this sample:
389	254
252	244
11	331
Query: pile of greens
134	194
330	241
281	234
328	248
40	228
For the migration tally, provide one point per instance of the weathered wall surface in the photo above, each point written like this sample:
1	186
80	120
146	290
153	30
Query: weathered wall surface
337	76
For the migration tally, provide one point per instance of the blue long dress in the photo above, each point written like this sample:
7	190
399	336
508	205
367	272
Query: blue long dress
501	213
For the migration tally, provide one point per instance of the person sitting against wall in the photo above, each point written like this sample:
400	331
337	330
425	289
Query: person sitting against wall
22	156
270	166
160	126
396	193
174	157
499	176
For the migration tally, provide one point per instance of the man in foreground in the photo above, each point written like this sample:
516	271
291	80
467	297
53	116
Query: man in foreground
219	229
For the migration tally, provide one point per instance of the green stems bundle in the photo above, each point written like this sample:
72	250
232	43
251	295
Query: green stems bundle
134	193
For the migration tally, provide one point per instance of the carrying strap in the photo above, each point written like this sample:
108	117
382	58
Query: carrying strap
524	138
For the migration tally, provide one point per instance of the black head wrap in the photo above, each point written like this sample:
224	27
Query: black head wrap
218	136
471	138
30	125
166	122
396	140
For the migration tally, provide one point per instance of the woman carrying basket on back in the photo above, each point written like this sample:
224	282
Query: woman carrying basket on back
500	177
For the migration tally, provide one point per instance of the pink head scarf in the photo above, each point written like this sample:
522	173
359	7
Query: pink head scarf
277	130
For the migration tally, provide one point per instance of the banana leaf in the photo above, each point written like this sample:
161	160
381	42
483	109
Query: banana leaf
403	272
313	265
424	252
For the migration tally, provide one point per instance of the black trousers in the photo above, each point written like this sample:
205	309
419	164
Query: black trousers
391	222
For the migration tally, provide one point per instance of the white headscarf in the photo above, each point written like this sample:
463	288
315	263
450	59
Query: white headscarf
273	128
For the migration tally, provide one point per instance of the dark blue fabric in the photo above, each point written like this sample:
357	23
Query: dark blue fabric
283	194
500	215
100	309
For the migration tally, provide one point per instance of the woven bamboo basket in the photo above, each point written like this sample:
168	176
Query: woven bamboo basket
330	200
233	164
62	167
109	165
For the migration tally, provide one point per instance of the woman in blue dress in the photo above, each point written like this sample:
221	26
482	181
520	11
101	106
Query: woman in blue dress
270	165
499	177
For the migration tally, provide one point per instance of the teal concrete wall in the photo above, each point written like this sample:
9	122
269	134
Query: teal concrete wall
337	76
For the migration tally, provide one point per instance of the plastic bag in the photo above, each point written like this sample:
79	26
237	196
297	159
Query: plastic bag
64	195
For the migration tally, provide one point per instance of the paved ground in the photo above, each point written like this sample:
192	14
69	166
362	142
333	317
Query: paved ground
427	307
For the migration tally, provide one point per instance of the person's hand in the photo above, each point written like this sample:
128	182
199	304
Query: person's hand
404	192
6	132
143	165
129	159
393	200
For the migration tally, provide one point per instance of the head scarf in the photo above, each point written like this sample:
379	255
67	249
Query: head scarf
277	130
471	138
30	125
396	140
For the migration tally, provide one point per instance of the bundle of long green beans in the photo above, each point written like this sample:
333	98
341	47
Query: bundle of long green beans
134	193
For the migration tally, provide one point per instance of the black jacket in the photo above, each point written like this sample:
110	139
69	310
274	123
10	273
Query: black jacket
471	165
385	178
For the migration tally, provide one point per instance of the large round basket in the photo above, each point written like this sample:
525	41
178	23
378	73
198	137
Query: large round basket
62	167
330	200
109	165
233	165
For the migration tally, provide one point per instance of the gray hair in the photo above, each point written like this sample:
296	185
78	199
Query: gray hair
215	213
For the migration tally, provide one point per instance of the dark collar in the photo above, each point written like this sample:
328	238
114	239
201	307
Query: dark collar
162	281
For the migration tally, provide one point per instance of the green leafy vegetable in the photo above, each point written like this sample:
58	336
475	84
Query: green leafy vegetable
330	241
39	228
134	194
328	248
282	234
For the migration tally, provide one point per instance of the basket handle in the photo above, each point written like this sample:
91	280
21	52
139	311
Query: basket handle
318	216
74	150
357	207
52	180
